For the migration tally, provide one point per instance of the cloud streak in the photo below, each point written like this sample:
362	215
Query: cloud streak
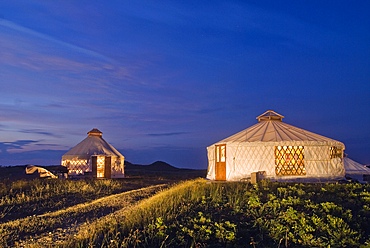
16	27
166	134
39	131
18	144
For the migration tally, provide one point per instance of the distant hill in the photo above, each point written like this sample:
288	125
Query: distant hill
156	166
13	172
18	172
160	168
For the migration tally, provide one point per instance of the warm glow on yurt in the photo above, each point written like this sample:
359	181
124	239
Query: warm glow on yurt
278	151
94	156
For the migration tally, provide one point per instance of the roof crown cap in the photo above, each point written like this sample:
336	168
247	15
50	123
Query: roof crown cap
270	116
94	132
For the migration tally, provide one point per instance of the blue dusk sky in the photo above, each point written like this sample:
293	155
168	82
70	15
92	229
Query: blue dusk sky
165	79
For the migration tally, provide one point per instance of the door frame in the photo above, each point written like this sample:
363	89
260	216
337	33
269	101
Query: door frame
94	160
107	166
220	162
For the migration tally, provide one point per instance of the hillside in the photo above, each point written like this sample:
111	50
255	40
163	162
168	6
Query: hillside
196	213
13	172
157	168
160	168
203	214
37	229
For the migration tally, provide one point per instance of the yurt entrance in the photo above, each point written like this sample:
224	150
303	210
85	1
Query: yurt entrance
101	166
220	169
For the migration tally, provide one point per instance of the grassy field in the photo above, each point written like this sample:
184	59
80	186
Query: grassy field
58	225
34	210
30	208
22	198
153	212
203	214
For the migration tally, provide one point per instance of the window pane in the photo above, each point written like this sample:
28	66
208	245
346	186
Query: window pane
223	153
289	161
335	152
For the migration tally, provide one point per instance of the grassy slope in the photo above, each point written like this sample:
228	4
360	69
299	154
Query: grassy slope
12	231
194	213
22	198
203	214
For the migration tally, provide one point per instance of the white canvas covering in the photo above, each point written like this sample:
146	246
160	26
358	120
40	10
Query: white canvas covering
30	169
253	150
78	160
356	170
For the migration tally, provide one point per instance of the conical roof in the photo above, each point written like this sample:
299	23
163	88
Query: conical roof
94	144
270	128
352	166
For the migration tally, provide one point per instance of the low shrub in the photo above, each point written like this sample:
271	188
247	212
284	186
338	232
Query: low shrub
199	213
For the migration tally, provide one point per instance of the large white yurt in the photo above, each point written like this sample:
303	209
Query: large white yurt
356	170
277	151
94	156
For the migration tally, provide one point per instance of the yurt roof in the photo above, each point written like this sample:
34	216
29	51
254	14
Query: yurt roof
352	167
93	144
270	115
95	131
271	128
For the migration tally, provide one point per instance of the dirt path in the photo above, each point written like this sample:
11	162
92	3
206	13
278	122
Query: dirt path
51	229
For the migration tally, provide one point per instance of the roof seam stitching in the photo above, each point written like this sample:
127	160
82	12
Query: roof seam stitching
291	133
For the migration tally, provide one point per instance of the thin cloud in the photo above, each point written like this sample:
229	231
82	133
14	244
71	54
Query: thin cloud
14	26
55	106
18	144
53	145
41	157
39	131
166	134
26	54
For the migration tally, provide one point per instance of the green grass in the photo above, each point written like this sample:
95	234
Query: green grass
203	214
15	230
22	198
195	213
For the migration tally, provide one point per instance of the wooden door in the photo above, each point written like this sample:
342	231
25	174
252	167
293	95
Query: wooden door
107	167
94	163
220	168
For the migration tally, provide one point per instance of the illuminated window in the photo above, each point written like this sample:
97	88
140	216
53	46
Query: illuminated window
289	161
74	162
223	153
76	167
335	152
100	166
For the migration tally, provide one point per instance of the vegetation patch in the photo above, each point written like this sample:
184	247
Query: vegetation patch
13	231
22	198
272	214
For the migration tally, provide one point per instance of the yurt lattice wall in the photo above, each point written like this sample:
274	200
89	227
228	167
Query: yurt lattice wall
77	166
279	151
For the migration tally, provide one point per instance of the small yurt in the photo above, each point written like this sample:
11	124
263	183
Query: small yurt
94	156
277	151
355	170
